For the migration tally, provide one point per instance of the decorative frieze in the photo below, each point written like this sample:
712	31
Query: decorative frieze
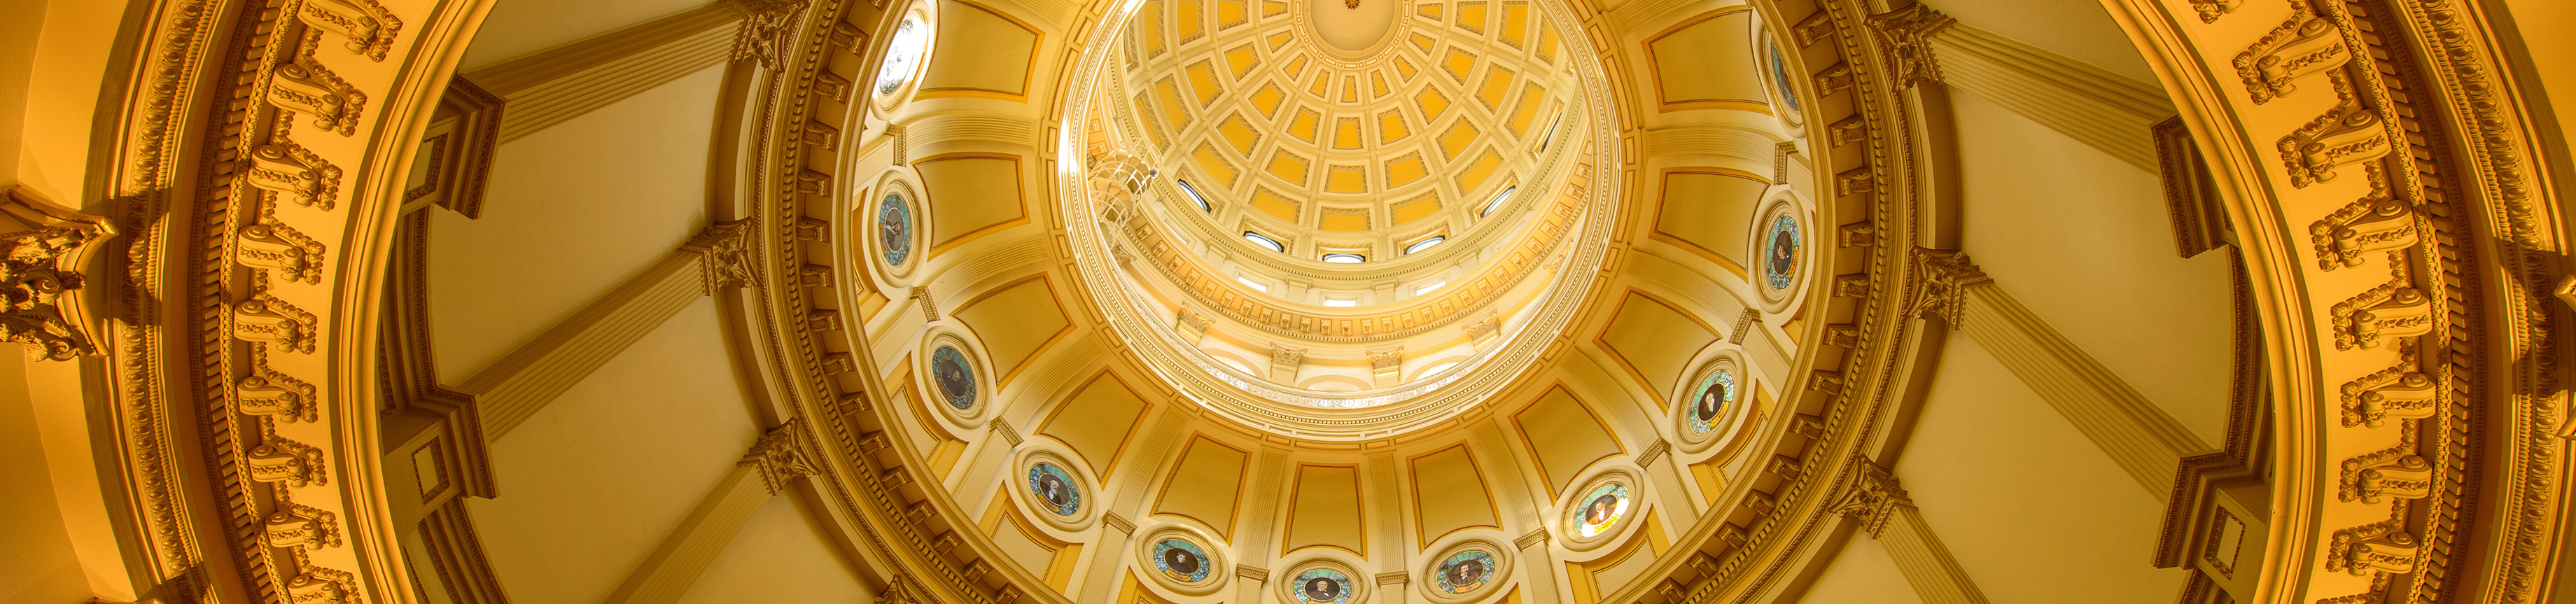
1834	79
2374	224
1847	131
2347	135
2299	49
813	229
328	101
1814	28
270	393
287	171
266	319
287	254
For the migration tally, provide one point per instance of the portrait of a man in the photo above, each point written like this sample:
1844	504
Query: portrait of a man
1784	251
1601	509
1466	572
1322	589
1180	561
894	227
948	366
1054	490
1710	400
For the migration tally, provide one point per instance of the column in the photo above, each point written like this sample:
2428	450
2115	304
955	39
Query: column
773	462
517	386
2136	434
1876	500
560	83
2105	110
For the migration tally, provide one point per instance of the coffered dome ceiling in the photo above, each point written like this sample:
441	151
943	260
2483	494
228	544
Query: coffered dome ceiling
1382	193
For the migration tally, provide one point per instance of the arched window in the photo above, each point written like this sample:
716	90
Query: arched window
1344	258
1193	192
1497	201
1425	244
1264	241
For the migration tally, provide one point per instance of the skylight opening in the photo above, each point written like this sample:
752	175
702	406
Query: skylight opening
903	55
1193	192
1497	201
1425	244
1344	258
1264	241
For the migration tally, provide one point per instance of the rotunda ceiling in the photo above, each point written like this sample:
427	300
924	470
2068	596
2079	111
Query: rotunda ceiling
1400	198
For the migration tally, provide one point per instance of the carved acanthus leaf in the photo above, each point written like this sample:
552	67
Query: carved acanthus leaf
768	27
1872	497
40	276
1942	279
1906	36
724	254
780	456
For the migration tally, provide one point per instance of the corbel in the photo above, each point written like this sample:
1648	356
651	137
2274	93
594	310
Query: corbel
53	246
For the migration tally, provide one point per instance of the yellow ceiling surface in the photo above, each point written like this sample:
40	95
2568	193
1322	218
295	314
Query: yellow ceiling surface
1335	128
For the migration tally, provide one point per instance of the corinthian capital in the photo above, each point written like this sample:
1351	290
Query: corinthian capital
1872	497
779	455
1941	282
1905	34
43	248
724	254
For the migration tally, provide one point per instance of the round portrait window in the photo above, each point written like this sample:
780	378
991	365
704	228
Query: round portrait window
1321	586
1780	257
903	55
1715	394
1055	489
1464	572
956	378
1602	508
1181	561
894	228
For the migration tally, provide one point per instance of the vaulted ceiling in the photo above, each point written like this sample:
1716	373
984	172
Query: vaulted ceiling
1653	301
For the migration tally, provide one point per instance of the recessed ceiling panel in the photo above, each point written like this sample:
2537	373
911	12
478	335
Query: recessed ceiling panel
1205	485
1324	509
1449	493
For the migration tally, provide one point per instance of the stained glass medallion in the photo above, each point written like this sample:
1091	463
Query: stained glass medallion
1464	572
955	377
1321	586
1055	489
1780	258
1181	561
1602	508
1715	394
894	228
1780	78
